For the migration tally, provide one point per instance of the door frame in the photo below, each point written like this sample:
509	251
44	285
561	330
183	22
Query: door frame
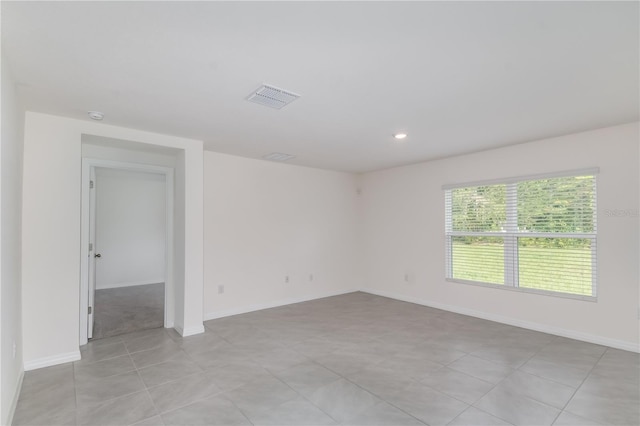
91	272
89	164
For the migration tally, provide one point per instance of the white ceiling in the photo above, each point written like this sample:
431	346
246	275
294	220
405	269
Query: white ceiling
457	77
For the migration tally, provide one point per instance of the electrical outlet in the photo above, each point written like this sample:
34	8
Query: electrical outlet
286	278
220	289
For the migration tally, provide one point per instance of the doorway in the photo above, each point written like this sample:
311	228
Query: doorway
127	226
129	251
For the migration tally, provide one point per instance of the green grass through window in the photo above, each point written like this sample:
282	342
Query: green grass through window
559	269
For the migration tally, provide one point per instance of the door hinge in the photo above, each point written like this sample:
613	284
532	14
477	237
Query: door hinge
90	246
90	184
90	310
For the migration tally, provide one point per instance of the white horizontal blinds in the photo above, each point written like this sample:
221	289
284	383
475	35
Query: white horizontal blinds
476	218
447	228
511	241
479	209
557	234
556	205
478	259
538	234
563	265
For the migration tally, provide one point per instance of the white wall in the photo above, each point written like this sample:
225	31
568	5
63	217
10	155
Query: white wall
130	228
403	233
265	221
51	232
10	249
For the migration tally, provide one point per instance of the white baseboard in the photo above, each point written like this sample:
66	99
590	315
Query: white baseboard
189	331
557	331
260	306
14	400
52	360
130	284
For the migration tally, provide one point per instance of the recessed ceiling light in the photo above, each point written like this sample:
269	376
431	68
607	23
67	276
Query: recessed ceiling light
95	115
400	135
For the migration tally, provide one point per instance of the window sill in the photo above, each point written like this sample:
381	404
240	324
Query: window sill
525	290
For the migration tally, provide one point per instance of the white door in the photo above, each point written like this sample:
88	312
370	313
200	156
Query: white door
93	253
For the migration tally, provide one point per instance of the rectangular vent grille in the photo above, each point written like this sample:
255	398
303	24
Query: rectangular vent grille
272	97
278	156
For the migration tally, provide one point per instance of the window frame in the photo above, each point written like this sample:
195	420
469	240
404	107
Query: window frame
511	234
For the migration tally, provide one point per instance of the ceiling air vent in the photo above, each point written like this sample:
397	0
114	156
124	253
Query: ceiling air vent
278	156
272	97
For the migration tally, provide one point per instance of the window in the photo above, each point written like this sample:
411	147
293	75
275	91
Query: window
536	233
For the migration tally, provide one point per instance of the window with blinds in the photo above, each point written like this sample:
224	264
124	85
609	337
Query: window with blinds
536	233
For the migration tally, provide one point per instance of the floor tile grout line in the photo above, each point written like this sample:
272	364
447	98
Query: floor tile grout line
237	408
493	386
388	402
520	394
581	383
503	379
458	399
221	393
537	375
116	397
371	392
145	389
195	401
541	402
476	408
111	375
307	399
491	390
284	383
97	404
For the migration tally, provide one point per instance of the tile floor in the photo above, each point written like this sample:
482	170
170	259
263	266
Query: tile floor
355	359
127	309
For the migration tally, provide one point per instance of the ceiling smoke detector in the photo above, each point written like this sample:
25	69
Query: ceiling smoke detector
95	115
278	156
272	97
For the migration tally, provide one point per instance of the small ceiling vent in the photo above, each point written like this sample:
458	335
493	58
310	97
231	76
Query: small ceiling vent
272	97
278	156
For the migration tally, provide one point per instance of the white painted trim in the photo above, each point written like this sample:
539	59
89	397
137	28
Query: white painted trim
275	304
169	255
129	284
557	331
91	260
567	173
87	165
189	331
52	360
84	251
14	401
